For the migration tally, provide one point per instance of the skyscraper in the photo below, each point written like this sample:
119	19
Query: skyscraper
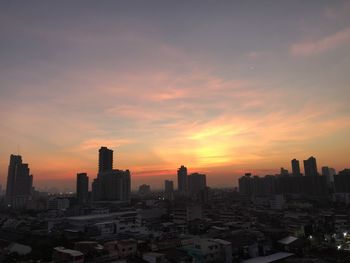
196	183
182	183
19	182
82	188
169	189
295	167
168	186
310	167
105	160
110	184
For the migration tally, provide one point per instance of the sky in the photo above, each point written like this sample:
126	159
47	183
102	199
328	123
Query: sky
223	87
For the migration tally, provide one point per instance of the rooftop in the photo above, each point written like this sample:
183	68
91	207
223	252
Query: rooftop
74	253
270	258
287	240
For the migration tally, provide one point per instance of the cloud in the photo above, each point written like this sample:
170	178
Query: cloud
313	47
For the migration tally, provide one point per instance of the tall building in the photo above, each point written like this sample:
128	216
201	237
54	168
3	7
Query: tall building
168	186
169	189
110	184
196	183
310	167
295	167
114	185
182	183
105	160
82	188
19	183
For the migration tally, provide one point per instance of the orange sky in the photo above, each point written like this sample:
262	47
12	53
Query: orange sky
227	89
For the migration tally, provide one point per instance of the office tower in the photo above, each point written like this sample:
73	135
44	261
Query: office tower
105	160
169	190
182	182
144	189
110	184
284	172
310	167
295	167
82	188
196	183
19	183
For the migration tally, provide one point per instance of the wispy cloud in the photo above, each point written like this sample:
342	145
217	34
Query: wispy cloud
313	47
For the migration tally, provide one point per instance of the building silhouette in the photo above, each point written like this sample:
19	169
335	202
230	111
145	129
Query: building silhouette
105	160
284	172
182	183
169	190
110	184
144	189
196	183
82	188
295	167
310	167
342	181
275	185
19	183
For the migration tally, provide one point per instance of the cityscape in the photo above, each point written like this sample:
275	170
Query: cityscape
286	217
175	131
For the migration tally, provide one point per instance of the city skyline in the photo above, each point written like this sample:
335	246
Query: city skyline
183	176
223	88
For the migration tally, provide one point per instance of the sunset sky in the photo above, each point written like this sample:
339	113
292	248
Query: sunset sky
223	87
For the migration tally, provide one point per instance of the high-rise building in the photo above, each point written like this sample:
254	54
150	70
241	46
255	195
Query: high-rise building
182	183
82	188
19	183
169	189
196	183
105	160
310	167
114	185
110	184
168	186
295	167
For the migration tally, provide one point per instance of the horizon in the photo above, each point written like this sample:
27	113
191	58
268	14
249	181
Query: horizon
223	88
159	184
